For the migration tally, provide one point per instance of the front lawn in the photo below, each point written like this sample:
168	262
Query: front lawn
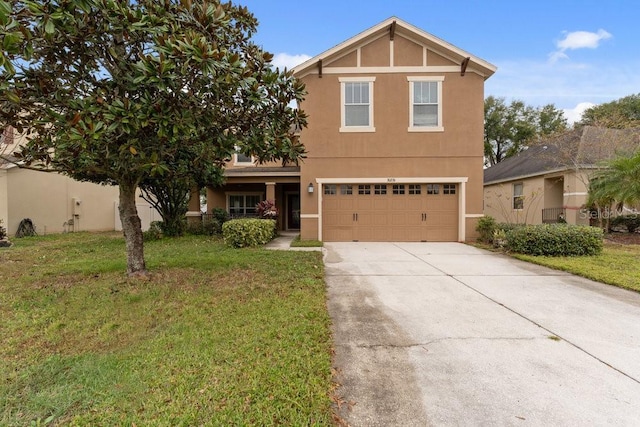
218	336
617	265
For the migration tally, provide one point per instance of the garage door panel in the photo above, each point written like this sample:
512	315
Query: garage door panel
391	213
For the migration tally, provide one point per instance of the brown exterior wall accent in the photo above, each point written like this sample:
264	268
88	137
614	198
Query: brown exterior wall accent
349	60
376	53
434	58
392	151
406	52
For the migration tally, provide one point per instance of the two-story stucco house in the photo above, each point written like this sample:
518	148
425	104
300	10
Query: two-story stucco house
394	141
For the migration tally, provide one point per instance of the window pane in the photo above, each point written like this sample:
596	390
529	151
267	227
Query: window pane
348	93
517	189
241	158
346	189
364	189
398	189
236	205
415	189
380	189
449	189
425	115
330	189
425	92
433	188
356	115
364	93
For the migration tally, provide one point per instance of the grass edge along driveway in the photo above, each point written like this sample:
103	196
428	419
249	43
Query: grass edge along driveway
617	265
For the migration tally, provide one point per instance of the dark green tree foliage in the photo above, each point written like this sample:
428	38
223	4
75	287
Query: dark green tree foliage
508	128
623	113
124	92
618	182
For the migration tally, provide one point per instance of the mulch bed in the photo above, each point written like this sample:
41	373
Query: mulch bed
623	238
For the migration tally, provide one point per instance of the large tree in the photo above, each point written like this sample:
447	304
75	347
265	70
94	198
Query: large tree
508	128
112	91
623	113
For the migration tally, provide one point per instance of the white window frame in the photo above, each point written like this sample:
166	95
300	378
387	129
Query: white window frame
242	193
239	163
438	80
343	126
517	197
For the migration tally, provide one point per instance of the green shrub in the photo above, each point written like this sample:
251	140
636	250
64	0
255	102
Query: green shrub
154	232
507	227
220	215
486	228
243	232
3	231
555	240
631	222
207	227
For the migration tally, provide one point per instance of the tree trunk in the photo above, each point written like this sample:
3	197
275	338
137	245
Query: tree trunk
132	230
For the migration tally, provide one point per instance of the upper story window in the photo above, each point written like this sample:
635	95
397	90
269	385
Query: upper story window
241	159
425	104
356	95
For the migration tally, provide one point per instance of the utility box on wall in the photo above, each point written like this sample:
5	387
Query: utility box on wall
76	207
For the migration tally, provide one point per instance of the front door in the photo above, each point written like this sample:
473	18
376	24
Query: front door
293	211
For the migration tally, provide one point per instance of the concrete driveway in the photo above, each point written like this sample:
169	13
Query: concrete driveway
447	334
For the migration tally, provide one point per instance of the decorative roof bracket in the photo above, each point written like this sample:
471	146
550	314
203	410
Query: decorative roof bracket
463	66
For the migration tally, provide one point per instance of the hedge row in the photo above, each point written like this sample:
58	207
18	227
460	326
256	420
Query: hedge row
555	240
544	239
240	233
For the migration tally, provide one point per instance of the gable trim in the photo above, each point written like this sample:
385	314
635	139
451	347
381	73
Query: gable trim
391	70
380	30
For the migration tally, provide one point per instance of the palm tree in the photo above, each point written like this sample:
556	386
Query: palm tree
618	182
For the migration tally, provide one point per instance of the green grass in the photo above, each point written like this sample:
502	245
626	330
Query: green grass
617	265
297	243
217	336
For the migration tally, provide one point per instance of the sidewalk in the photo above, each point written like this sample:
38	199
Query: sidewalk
283	243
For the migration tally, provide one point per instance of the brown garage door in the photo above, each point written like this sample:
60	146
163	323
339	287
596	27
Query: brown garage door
390	212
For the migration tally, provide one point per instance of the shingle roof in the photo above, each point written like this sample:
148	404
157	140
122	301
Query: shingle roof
582	147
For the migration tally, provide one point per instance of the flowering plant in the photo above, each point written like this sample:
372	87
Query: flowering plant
267	209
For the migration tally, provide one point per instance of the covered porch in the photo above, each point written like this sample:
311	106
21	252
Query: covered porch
246	187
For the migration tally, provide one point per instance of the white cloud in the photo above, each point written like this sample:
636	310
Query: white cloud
575	114
582	40
282	60
578	40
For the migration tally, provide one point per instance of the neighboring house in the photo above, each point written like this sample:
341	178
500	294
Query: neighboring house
550	180
394	141
56	203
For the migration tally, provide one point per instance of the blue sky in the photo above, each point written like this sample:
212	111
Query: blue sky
567	52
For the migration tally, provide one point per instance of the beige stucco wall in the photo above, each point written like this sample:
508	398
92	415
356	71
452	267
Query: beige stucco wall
498	201
576	188
539	193
4	207
50	200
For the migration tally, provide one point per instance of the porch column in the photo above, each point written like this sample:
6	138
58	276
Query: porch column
271	191
271	195
193	214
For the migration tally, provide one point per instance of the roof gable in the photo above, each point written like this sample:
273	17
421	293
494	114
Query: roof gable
353	53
